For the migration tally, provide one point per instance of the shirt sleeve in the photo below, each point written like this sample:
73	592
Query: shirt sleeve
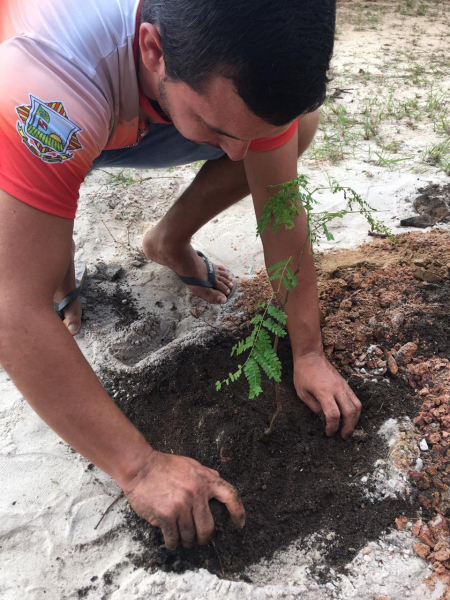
53	123
275	141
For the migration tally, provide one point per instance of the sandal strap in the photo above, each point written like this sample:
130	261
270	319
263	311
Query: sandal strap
210	282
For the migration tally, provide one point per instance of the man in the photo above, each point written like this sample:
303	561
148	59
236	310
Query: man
81	83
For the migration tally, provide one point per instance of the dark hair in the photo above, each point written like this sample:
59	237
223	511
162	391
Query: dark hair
276	52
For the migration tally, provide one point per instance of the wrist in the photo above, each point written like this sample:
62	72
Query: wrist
136	466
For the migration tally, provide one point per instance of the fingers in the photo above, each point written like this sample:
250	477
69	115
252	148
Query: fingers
204	523
225	493
311	402
343	405
187	529
350	412
332	415
169	530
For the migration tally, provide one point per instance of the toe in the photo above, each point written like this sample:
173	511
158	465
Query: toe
226	283
72	316
213	296
72	326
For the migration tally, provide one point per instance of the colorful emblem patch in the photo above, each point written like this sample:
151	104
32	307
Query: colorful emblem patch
47	131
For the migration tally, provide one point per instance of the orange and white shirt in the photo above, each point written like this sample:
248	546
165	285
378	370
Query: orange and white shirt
69	90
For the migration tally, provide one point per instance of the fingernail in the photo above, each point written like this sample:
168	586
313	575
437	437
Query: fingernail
72	327
227	292
221	301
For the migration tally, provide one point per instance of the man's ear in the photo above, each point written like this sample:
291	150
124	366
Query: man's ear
151	49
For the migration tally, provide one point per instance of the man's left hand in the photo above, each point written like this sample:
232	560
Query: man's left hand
321	388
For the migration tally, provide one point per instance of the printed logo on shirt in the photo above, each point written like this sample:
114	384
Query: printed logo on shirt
47	131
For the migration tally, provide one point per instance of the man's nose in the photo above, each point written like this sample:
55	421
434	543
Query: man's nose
236	149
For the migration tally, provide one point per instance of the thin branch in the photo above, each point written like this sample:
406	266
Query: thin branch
121	495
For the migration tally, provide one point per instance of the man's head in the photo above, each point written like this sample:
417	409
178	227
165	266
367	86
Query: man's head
264	59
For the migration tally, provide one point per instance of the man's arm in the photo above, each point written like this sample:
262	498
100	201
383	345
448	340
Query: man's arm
317	383
48	368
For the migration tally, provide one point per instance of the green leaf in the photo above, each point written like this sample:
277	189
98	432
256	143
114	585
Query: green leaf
277	314
274	327
280	265
253	374
218	386
256	319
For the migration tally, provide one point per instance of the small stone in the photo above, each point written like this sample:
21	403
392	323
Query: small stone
421	221
108	272
405	353
136	263
391	363
442	555
346	303
401	523
366	550
417	527
124	301
359	435
422	550
426	536
423	445
419	465
439	526
427	276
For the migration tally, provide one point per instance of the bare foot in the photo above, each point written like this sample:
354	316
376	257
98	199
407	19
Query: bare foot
72	312
187	263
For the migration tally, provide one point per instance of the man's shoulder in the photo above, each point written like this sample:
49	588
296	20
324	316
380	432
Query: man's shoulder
82	31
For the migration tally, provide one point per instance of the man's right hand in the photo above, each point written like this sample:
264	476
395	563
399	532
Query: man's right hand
172	492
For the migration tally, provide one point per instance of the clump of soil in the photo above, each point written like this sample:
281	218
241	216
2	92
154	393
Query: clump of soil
434	201
104	300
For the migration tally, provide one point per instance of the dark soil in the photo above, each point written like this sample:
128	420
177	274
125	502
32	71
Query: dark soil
434	202
103	300
433	332
293	483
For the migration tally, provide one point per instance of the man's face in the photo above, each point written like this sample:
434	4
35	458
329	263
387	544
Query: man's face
217	118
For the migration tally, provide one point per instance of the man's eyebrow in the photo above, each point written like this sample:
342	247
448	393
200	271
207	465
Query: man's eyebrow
220	132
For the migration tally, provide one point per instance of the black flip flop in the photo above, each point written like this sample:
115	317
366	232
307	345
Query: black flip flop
211	281
80	276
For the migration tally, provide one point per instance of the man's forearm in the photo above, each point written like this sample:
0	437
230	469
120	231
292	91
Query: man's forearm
302	307
48	368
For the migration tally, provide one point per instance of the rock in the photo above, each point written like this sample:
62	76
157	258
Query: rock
366	550
417	527
391	363
422	550
359	435
426	536
442	555
421	221
354	281
427	276
434	438
421	262
401	523
346	304
419	465
136	263
108	272
423	445
405	353
439	526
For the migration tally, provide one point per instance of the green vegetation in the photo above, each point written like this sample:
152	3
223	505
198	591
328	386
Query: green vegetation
269	324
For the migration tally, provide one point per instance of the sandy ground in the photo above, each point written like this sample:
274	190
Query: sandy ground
384	133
